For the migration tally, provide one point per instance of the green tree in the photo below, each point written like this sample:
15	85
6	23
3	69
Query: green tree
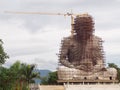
117	68
44	80
6	79
17	77
113	65
28	73
51	79
17	74
10	77
3	55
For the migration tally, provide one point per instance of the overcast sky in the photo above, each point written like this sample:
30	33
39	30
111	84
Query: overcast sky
36	38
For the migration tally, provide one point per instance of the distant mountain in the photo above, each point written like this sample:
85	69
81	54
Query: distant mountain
43	73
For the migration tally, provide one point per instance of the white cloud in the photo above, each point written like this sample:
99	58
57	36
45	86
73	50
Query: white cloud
109	35
111	40
118	0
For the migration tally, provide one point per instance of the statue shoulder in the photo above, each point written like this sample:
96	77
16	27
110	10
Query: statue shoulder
96	38
66	39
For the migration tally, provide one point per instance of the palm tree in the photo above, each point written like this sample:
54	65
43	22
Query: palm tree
16	69
28	73
24	74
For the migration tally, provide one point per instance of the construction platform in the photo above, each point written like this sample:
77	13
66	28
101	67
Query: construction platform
87	81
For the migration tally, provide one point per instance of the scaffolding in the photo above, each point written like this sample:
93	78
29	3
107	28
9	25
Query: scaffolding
82	52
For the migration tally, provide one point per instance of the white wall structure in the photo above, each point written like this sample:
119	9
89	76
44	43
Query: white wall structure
93	87
81	87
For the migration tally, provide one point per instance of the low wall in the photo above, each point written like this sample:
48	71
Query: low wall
51	87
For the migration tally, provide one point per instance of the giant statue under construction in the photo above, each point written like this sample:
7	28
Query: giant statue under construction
81	55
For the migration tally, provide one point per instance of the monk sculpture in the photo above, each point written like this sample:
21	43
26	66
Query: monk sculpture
81	55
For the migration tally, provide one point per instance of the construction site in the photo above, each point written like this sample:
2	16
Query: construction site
81	56
81	63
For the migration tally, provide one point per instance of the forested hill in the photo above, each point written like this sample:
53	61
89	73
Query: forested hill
43	73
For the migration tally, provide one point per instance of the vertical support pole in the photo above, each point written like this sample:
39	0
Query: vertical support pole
72	25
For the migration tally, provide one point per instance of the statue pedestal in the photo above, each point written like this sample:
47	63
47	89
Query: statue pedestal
65	73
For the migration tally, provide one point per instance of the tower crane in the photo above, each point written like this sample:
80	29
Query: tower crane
47	13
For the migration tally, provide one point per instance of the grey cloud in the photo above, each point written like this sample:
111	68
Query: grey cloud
36	22
29	51
43	64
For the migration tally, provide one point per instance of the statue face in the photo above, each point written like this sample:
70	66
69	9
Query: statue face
83	33
84	26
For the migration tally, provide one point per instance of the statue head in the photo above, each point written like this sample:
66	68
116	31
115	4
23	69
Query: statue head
84	26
